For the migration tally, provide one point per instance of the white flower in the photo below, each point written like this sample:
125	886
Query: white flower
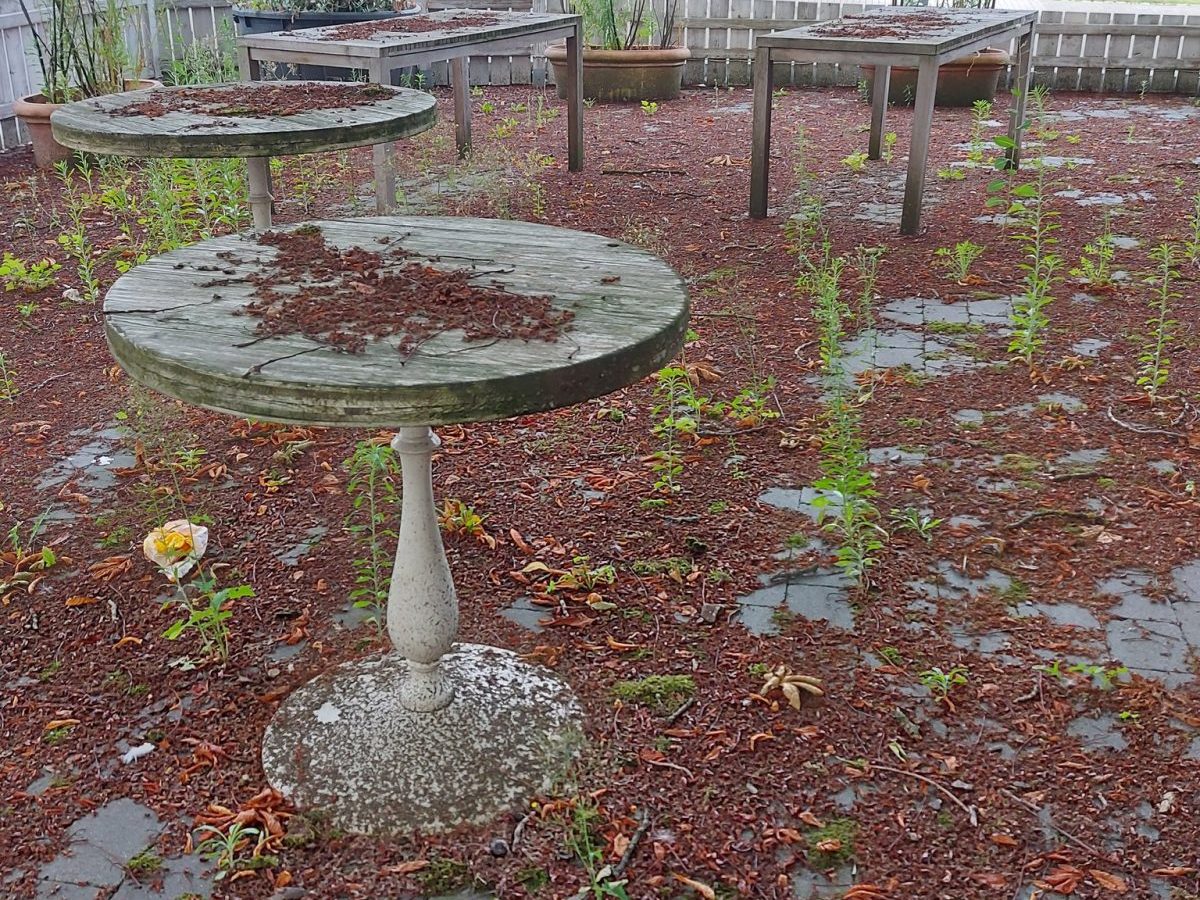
176	547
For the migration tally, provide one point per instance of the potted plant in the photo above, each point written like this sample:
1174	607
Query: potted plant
627	55
82	53
960	82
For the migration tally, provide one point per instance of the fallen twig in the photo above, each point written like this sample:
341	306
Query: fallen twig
655	171
972	814
631	848
1142	429
1037	811
674	717
42	384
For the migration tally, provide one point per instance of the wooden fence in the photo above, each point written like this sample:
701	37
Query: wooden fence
1088	51
1076	50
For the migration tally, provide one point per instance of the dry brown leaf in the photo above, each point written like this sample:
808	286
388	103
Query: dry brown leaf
1064	880
1175	871
698	886
990	879
82	601
406	868
1005	840
59	723
865	892
110	568
810	818
1109	881
830	845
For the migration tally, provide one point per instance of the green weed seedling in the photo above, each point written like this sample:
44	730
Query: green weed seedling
1192	244
8	380
374	490
207	615
912	519
889	146
941	683
227	851
649	107
959	258
866	261
981	112
1028	204
951	173
587	846
856	162
1154	367
1095	263
677	412
30	277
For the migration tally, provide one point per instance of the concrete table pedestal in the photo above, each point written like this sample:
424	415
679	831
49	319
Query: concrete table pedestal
346	743
434	734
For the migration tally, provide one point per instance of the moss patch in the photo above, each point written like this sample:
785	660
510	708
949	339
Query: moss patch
657	691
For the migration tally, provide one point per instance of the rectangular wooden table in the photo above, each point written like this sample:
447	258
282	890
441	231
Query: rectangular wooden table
886	37
383	52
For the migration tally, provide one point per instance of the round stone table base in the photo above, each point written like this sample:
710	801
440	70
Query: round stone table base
343	743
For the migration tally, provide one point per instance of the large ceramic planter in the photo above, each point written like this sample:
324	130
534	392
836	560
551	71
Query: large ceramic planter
268	21
642	73
35	111
961	82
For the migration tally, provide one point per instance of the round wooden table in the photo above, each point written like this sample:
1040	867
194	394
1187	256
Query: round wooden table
98	125
435	734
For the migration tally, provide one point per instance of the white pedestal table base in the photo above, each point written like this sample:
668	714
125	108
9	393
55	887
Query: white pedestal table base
345	744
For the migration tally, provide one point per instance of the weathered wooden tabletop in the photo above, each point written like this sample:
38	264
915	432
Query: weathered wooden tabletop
95	127
174	324
968	26
442	44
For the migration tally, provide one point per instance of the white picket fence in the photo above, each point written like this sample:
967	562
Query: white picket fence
1075	49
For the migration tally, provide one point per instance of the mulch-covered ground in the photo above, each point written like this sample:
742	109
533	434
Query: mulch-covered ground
1047	768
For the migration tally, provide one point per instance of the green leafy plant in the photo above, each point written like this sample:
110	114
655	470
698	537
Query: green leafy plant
586	846
1154	366
80	47
856	162
1028	205
207	614
889	146
981	112
1192	244
1095	263
941	683
676	411
230	851
959	258
649	107
912	519
583	577
374	492
625	24
30	277
866	261
951	173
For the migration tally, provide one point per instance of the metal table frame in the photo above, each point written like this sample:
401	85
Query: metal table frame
385	52
925	53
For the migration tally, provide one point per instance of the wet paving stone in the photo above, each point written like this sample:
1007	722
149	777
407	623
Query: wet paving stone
1098	733
1152	637
814	595
1089	347
972	316
292	555
523	612
99	848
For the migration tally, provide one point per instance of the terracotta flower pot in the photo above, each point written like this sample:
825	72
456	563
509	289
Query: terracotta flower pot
642	73
35	112
960	82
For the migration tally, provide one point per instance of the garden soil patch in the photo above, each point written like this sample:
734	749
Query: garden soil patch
1060	581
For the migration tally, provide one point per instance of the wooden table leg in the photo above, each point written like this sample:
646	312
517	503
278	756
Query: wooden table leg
460	81
575	100
918	151
258	171
879	101
760	150
1016	115
382	154
249	69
